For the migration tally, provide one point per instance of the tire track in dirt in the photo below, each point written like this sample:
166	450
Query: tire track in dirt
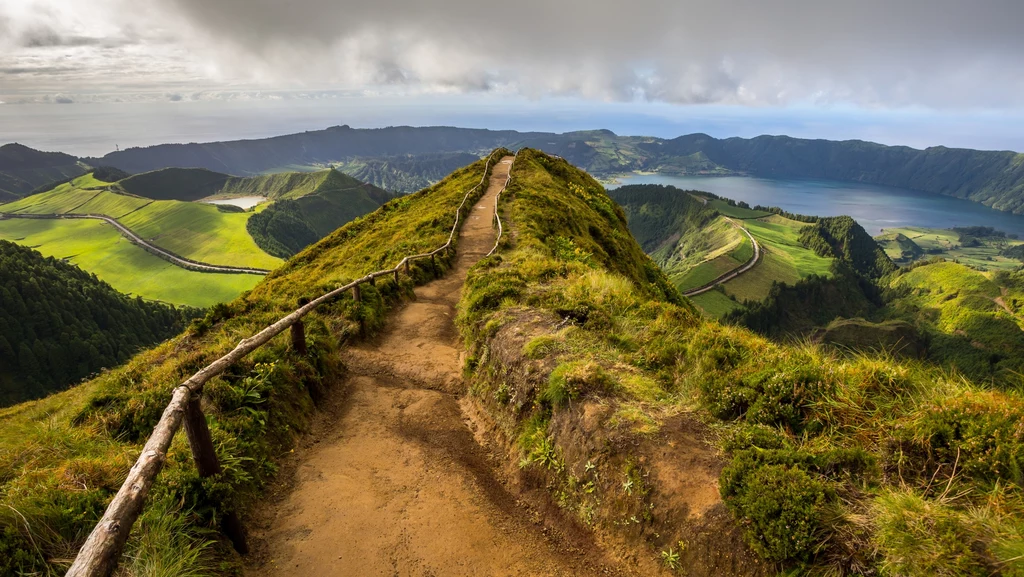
392	482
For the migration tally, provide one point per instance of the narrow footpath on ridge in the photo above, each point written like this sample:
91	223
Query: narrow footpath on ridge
392	481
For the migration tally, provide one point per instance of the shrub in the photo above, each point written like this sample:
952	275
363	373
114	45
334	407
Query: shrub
774	396
982	431
780	504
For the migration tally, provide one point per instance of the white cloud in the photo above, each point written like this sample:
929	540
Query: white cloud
870	53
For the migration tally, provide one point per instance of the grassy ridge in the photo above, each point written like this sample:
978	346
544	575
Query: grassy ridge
835	465
100	249
93	432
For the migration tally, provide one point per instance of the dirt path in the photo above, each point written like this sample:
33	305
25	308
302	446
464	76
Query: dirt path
395	484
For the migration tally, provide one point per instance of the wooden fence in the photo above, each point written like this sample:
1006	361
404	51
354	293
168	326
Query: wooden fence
102	549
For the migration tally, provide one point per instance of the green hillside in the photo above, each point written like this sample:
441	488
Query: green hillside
834	465
406	173
93	431
297	220
59	324
683	440
101	250
696	237
23	170
974	320
192	230
985	253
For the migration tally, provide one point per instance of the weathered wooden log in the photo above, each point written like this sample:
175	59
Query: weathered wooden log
99	555
356	295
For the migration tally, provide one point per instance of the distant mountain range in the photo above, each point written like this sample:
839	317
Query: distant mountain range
407	158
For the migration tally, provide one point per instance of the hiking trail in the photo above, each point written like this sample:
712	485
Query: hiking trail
392	481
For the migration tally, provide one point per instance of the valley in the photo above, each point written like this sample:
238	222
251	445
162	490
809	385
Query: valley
161	236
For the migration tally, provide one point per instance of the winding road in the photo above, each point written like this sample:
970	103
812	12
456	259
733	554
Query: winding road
145	245
735	272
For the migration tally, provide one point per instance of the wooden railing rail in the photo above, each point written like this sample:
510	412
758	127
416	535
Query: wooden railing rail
102	549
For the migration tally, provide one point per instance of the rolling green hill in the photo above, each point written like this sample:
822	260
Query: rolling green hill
303	206
691	443
59	324
99	249
23	169
695	237
192	230
974	320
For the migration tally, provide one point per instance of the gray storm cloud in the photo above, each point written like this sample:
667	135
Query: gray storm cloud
895	53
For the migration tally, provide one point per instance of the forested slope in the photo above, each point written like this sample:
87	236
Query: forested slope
59	324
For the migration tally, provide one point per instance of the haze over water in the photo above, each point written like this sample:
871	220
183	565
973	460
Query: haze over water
874	207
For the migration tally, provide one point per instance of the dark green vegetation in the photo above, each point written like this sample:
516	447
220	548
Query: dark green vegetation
59	324
288	226
406	173
63	457
23	170
835	464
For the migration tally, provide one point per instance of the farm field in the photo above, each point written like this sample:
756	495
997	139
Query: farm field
946	243
196	231
100	249
737	253
199	232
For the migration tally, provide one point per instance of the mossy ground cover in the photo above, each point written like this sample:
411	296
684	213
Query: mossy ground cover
837	465
101	250
62	458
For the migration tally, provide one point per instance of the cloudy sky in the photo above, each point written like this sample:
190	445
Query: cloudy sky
955	63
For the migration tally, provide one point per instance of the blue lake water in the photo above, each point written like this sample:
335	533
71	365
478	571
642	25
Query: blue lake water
874	207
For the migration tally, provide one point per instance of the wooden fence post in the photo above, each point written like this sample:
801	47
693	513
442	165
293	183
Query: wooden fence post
407	267
396	275
358	298
205	456
299	332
